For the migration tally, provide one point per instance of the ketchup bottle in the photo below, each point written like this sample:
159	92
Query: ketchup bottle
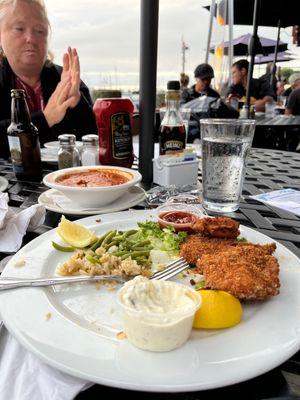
114	119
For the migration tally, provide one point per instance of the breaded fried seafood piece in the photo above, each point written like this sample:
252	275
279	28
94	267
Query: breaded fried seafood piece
247	272
219	227
195	246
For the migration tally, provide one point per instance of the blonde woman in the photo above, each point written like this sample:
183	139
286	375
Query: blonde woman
58	101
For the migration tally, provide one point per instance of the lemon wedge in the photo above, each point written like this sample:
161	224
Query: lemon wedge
74	234
219	309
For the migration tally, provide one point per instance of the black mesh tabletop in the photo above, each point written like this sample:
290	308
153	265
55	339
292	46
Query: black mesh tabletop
267	170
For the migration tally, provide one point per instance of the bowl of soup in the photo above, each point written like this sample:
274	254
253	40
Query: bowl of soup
93	186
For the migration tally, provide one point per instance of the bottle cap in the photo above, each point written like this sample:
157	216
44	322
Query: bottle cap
67	139
173	85
90	139
17	92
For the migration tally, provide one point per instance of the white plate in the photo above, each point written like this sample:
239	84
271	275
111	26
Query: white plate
80	336
49	155
55	144
3	184
131	197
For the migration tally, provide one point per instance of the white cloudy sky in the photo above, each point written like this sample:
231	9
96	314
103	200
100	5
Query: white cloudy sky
107	36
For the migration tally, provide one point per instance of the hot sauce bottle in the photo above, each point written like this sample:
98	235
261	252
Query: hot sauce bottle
114	120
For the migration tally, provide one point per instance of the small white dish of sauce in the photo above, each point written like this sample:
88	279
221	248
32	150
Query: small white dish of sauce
157	315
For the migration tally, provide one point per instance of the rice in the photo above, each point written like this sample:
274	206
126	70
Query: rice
103	263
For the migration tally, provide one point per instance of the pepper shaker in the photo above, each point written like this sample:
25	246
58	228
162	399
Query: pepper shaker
68	154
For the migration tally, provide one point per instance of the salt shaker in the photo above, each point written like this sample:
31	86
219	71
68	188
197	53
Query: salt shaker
90	150
68	154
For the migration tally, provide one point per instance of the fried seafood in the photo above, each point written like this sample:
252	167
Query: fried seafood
195	246
219	227
248	272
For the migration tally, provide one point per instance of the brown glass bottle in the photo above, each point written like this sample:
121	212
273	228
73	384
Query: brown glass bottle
23	139
172	130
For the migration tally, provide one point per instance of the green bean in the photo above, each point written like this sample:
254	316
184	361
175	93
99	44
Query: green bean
129	233
119	238
109	237
113	243
119	253
92	259
142	248
99	241
135	254
141	244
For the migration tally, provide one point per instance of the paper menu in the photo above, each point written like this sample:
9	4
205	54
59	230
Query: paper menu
287	199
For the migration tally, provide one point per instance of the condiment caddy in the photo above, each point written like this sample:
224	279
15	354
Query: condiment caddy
176	169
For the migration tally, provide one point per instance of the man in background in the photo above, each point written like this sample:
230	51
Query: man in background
260	89
293	102
203	75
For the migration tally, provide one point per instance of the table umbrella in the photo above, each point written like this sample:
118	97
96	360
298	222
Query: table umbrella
241	43
281	57
269	12
280	13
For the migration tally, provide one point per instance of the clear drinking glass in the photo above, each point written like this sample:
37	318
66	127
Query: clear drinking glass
226	144
186	114
270	109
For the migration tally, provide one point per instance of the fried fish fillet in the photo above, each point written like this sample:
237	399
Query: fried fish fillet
219	227
195	246
248	272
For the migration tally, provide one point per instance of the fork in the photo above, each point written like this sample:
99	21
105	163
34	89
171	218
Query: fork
172	269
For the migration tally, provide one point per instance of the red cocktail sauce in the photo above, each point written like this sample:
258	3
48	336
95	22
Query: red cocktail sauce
181	220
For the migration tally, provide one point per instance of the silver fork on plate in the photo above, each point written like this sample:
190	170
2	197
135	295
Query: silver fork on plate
172	269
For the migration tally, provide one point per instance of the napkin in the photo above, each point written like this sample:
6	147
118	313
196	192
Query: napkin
24	376
13	226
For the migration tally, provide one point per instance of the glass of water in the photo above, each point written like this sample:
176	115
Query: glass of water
226	144
270	107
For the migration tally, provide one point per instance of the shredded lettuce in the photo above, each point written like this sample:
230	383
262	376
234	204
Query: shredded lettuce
161	239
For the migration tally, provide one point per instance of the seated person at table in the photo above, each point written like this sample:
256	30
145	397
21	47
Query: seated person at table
260	89
184	81
294	81
58	101
293	103
203	75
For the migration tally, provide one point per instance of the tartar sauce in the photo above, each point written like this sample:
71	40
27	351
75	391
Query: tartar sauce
158	315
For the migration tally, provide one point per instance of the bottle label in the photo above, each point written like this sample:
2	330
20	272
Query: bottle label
16	153
172	139
121	135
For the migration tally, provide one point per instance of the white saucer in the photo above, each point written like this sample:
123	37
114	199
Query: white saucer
132	197
55	144
3	184
48	155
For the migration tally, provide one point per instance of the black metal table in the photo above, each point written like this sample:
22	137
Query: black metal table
267	170
280	132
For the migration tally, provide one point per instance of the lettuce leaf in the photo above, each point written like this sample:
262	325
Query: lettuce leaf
161	239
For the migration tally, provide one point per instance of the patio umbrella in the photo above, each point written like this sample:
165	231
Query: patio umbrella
269	12
281	57
262	12
240	45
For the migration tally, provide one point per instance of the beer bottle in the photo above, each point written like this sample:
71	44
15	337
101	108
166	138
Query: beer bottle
23	139
172	130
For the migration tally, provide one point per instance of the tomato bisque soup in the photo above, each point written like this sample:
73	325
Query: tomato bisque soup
181	220
94	178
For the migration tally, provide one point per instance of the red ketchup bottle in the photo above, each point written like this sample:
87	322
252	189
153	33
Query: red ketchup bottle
114	119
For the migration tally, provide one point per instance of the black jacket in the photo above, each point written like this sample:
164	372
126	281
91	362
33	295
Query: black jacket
191	94
79	120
